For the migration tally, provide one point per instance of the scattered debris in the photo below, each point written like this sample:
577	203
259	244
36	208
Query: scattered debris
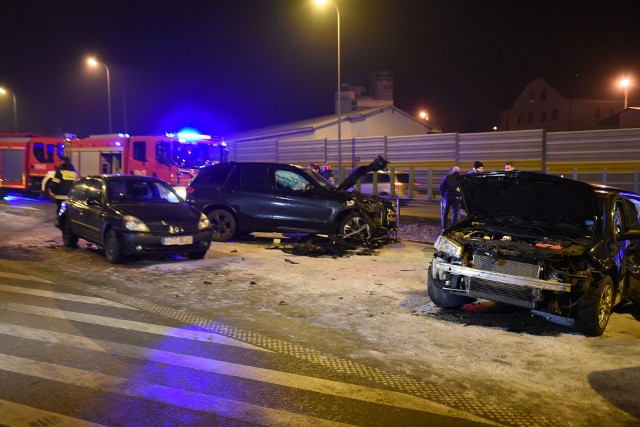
290	261
206	282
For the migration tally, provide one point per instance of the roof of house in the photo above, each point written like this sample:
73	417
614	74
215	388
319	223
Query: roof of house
310	125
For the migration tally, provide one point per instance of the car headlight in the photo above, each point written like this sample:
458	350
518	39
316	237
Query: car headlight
132	223
204	223
447	246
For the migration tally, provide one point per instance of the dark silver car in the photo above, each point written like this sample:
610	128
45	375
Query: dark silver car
133	215
541	242
240	198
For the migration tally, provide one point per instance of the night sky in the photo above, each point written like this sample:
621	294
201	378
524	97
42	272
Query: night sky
235	65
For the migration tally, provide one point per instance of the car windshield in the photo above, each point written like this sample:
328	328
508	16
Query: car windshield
322	181
136	191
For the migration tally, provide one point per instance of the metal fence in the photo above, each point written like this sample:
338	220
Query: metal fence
610	157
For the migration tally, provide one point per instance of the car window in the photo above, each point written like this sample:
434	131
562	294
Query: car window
94	191
254	177
290	180
217	175
141	191
402	177
78	190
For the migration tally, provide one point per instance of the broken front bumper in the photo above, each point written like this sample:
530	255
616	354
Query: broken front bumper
440	267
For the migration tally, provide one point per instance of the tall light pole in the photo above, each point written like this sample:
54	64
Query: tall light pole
92	62
339	112
4	91
624	84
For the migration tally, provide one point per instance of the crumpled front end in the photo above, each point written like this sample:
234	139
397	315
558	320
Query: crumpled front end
533	272
381	214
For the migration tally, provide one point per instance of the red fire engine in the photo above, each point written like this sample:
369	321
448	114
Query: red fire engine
174	158
25	160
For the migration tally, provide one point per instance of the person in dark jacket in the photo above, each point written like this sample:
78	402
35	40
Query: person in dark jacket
450	192
327	173
62	181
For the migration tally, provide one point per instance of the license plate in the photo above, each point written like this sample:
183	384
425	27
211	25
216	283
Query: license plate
177	240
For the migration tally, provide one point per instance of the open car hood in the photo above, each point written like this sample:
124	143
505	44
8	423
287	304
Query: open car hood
527	195
378	164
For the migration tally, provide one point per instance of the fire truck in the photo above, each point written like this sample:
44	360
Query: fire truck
173	157
26	159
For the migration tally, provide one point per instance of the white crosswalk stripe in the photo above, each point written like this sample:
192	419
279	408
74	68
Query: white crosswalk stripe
17	415
76	341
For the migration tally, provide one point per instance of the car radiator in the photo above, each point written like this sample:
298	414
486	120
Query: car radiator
509	294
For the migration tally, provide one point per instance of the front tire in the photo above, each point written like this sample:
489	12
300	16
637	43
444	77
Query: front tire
69	239
595	309
442	298
112	249
354	227
223	224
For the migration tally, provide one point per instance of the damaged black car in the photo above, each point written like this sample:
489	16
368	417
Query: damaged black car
244	197
541	242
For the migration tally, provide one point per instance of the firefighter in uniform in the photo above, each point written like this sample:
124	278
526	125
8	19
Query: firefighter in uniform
62	181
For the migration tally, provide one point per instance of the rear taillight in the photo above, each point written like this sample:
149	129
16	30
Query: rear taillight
190	190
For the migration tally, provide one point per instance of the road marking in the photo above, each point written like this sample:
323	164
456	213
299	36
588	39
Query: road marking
63	296
24	277
129	325
17	415
301	382
162	394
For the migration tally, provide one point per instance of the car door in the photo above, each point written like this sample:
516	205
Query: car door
299	205
87	211
249	191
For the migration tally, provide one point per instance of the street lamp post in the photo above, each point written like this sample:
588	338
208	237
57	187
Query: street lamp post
339	94
4	91
94	63
624	84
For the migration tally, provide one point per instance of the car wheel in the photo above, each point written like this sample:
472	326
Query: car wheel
354	227
112	250
223	224
197	255
442	298
69	239
595	309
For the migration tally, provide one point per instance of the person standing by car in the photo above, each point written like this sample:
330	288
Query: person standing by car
450	193
509	167
62	181
327	173
478	167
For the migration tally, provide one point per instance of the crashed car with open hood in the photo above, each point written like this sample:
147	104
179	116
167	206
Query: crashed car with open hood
244	197
541	242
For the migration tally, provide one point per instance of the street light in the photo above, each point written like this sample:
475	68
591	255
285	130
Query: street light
624	84
4	91
322	3
92	62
